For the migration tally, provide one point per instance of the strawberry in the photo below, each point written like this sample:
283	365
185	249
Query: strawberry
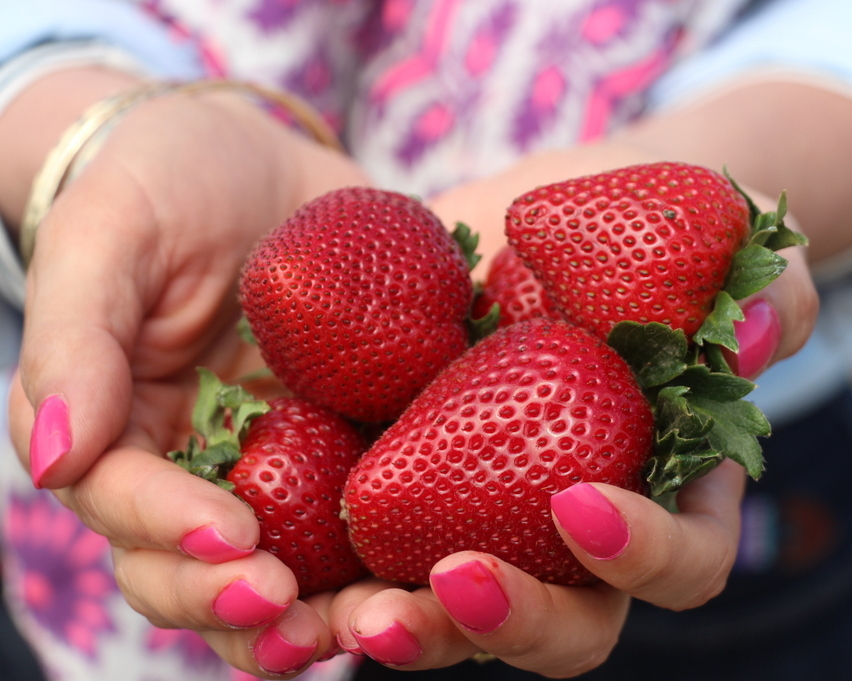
648	243
530	410
653	258
358	300
288	459
513	287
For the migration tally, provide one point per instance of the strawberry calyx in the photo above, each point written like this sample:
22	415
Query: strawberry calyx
468	241
479	328
754	266
220	419
699	407
700	415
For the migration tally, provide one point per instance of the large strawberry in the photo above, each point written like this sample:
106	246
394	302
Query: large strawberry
653	258
471	464
647	243
512	286
358	300
288	459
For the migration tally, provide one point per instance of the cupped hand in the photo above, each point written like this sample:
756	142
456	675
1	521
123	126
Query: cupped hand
132	284
479	604
184	549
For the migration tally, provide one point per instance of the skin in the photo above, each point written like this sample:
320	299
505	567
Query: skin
120	338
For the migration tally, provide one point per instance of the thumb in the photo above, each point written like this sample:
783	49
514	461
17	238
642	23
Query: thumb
81	318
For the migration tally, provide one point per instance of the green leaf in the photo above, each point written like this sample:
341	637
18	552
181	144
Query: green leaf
668	474
674	414
484	326
752	269
215	405
682	450
718	326
215	401
736	427
716	359
654	351
468	241
719	386
753	210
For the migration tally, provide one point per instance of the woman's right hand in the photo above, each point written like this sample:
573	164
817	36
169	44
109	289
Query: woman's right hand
132	284
131	287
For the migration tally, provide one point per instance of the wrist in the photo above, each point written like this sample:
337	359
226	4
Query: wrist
34	121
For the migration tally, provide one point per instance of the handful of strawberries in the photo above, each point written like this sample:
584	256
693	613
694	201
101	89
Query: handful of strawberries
614	306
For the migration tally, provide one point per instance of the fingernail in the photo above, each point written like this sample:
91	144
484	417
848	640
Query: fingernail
395	646
205	543
239	605
591	520
758	335
349	648
51	437
276	655
333	651
473	596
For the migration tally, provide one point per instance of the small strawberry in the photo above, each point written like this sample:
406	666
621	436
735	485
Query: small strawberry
513	287
471	464
358	300
288	459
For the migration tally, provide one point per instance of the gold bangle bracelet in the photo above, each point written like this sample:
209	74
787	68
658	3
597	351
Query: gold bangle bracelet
49	180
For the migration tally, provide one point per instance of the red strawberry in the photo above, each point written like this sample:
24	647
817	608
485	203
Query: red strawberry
648	243
512	285
654	258
358	300
290	461
472	463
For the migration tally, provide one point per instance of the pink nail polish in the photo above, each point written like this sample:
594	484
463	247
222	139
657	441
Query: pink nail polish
473	596
239	605
395	646
591	520
276	655
51	437
758	336
205	543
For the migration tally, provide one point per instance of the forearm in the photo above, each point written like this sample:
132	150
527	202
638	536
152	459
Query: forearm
773	135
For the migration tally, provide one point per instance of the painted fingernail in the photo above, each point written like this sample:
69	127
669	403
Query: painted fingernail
276	655
473	596
758	335
591	520
205	543
395	646
239	605
51	437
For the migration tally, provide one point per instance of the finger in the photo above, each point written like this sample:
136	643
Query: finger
403	629
344	603
81	315
139	500
280	650
551	630
676	561
175	591
777	320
